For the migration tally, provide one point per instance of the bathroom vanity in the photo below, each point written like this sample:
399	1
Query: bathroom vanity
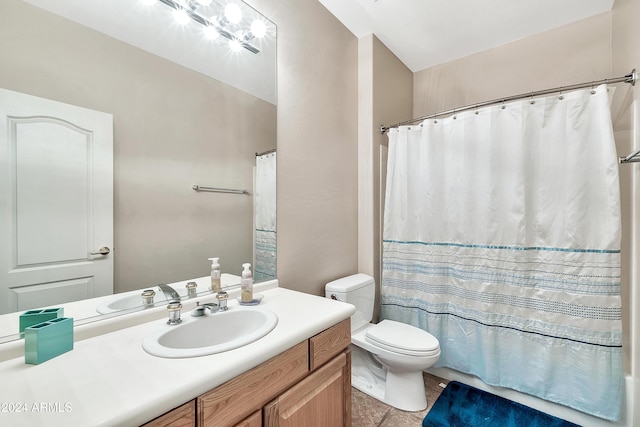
310	383
298	371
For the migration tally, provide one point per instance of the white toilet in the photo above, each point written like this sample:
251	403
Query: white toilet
387	359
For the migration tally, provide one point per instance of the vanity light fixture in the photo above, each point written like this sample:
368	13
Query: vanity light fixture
258	28
227	23
235	45
210	32
180	15
233	13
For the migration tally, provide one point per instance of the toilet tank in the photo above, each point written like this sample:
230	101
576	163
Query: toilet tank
359	290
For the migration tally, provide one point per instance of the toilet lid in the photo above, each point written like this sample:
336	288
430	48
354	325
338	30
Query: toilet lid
402	338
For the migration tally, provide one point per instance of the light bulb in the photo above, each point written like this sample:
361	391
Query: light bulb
210	32
258	28
204	2
181	17
233	13
235	45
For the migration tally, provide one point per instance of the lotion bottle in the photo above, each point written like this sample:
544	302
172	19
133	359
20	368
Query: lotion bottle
246	284
215	274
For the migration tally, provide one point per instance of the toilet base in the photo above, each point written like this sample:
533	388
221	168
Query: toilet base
402	390
375	390
405	391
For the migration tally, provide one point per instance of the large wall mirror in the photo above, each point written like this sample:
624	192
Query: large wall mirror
187	110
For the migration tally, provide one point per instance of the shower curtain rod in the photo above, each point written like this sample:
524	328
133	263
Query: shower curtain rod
629	78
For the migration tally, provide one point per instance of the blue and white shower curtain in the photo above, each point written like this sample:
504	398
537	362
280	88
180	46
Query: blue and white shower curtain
502	239
265	218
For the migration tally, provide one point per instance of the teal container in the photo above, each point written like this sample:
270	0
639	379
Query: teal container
33	317
47	340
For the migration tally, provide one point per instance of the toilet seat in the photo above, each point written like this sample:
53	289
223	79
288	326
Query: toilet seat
402	338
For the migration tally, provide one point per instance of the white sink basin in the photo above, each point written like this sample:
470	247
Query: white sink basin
211	333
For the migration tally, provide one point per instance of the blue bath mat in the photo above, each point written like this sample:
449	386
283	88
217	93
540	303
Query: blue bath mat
461	405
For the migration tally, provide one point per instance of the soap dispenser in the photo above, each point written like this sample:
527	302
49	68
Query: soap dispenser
215	274
246	284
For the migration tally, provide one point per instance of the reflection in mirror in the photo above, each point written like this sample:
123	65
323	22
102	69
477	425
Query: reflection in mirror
185	111
265	216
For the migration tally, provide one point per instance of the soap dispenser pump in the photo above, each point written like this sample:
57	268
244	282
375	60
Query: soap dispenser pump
215	274
246	284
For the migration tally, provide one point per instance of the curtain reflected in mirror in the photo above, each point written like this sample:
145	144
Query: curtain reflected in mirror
265	216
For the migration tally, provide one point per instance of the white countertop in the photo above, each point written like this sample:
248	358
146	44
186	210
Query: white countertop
109	380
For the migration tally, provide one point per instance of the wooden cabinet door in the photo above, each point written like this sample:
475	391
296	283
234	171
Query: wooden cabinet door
321	399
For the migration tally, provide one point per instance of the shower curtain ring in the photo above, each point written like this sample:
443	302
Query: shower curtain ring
531	101
561	97
593	87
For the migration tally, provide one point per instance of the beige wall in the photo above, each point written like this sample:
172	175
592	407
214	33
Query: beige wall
317	144
385	93
172	128
572	54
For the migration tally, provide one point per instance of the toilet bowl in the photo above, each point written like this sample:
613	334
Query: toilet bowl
387	358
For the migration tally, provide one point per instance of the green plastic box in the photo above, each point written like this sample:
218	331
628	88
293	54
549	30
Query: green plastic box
47	340
33	317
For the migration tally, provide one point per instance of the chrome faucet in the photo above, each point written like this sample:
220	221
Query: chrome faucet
147	297
200	309
169	292
212	307
222	298
191	289
174	308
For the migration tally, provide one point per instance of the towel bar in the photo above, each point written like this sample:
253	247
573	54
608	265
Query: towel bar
218	190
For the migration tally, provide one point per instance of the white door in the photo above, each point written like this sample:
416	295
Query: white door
56	202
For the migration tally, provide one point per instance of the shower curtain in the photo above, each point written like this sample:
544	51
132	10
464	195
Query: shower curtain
502	239
265	218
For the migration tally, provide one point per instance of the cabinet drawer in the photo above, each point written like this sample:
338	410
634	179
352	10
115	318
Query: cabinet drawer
236	399
182	416
328	343
254	420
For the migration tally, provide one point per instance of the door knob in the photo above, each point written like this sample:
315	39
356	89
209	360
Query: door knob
102	251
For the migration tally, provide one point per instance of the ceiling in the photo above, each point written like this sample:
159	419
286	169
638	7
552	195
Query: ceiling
153	29
424	33
421	33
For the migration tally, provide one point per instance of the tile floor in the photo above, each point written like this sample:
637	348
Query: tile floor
369	412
